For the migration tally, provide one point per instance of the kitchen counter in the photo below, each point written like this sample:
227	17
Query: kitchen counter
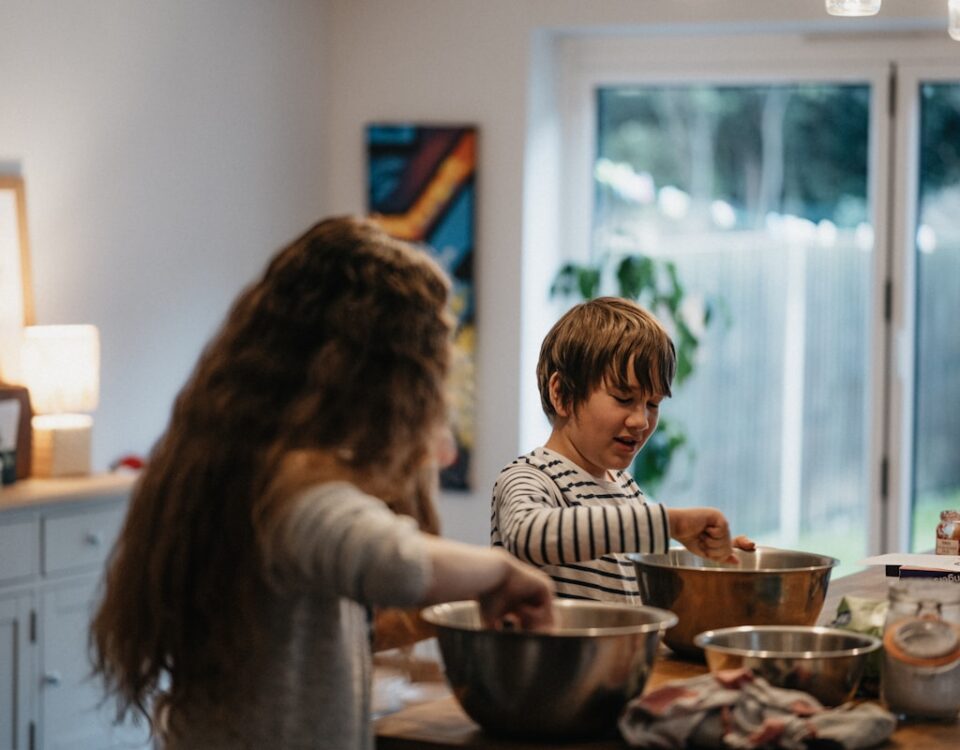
440	723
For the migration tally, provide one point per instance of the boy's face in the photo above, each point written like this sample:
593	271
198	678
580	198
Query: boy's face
608	429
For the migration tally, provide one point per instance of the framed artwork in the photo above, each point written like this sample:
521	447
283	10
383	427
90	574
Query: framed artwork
422	188
16	295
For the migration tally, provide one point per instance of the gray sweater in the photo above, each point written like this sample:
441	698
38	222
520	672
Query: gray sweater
308	683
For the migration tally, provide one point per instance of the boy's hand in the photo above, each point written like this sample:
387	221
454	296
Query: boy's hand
704	531
744	543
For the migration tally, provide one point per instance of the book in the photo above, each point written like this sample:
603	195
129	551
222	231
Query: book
932	574
904	565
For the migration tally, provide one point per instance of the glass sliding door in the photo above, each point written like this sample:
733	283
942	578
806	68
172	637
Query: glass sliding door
759	196
936	257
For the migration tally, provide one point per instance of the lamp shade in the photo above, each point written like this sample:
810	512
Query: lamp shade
60	365
853	7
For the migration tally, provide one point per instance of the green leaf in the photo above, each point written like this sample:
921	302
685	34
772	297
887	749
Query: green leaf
685	338
636	274
561	282
570	279
653	461
588	281
684	365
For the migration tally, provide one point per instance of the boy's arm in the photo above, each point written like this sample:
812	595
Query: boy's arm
535	524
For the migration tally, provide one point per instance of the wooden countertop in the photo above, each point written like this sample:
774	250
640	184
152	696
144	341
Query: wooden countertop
441	723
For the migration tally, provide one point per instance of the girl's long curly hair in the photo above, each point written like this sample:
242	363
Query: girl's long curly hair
341	347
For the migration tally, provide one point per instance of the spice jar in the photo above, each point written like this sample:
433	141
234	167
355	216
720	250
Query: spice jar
948	533
921	640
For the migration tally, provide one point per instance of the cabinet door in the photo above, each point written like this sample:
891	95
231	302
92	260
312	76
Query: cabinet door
16	669
78	539
73	713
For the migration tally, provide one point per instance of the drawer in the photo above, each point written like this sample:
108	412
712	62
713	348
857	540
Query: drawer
80	539
19	549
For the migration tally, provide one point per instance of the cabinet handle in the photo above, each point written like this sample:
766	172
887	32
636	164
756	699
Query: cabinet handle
52	678
93	539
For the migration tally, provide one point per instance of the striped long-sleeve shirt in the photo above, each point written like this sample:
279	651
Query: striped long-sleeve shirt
549	512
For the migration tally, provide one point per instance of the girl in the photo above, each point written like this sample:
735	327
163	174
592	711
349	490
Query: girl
237	599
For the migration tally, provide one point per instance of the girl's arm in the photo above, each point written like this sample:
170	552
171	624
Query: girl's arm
339	541
502	585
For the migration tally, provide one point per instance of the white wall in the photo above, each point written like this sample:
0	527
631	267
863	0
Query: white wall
168	148
492	63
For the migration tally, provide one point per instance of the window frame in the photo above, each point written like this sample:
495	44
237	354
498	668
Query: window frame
888	61
903	324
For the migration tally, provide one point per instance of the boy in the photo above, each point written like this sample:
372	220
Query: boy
570	506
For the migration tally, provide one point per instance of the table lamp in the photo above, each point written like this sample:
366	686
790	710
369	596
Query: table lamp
853	7
60	366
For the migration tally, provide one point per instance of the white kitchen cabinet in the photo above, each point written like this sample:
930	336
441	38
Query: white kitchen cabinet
73	713
16	663
55	536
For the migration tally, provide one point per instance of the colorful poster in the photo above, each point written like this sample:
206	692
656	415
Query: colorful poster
421	189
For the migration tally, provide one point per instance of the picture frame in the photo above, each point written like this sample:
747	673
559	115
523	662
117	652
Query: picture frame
16	288
421	188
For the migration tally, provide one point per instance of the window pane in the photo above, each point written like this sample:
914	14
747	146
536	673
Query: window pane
758	195
937	436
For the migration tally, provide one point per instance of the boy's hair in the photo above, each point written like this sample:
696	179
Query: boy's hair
598	340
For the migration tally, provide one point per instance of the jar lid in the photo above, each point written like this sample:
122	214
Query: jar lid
926	639
923	642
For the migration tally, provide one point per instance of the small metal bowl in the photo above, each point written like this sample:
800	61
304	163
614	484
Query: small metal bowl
827	663
570	681
765	587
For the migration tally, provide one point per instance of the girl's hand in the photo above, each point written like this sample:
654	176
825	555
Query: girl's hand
523	598
506	589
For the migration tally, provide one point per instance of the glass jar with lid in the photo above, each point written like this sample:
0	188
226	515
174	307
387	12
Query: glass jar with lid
921	640
948	533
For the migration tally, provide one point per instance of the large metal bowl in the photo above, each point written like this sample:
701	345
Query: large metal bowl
571	681
825	662
765	587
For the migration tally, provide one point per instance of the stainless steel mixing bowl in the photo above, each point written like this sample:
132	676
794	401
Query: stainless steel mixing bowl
571	681
826	662
765	587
